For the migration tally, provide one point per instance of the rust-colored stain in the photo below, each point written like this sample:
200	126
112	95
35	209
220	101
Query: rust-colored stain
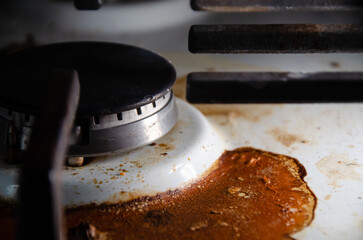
250	194
165	146
338	167
136	164
335	64
94	180
285	138
327	197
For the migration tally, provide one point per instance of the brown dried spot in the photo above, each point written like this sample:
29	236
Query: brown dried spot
136	163
327	197
163	154
122	173
166	147
335	64
152	144
284	137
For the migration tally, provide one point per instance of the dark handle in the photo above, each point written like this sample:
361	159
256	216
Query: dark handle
40	208
274	87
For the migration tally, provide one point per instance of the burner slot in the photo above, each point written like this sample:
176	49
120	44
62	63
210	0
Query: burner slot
119	116
274	87
139	112
275	5
96	120
276	38
129	116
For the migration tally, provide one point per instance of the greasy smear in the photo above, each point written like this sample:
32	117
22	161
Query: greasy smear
250	194
285	138
338	167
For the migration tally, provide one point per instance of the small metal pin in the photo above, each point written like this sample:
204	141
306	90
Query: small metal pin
76	135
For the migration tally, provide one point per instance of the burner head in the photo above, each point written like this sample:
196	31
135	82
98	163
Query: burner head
113	77
124	90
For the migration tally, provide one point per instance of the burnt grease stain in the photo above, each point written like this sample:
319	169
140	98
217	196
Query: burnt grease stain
249	194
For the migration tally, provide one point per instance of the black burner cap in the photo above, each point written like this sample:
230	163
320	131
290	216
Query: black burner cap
113	77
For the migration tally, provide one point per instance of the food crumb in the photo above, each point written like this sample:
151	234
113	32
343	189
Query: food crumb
252	162
223	224
233	190
242	194
266	180
199	225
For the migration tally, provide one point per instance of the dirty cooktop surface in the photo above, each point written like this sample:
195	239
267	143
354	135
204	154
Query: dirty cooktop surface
249	194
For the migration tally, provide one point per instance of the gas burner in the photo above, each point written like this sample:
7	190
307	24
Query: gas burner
126	100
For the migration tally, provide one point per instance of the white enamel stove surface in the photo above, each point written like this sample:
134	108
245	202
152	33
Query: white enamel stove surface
326	138
172	162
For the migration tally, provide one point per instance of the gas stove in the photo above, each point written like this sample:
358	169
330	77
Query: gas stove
324	137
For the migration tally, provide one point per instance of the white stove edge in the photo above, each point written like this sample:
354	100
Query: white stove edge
172	162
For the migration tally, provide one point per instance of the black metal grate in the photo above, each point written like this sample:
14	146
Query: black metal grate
267	87
275	5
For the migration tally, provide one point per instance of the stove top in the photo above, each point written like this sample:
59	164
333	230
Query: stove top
325	138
